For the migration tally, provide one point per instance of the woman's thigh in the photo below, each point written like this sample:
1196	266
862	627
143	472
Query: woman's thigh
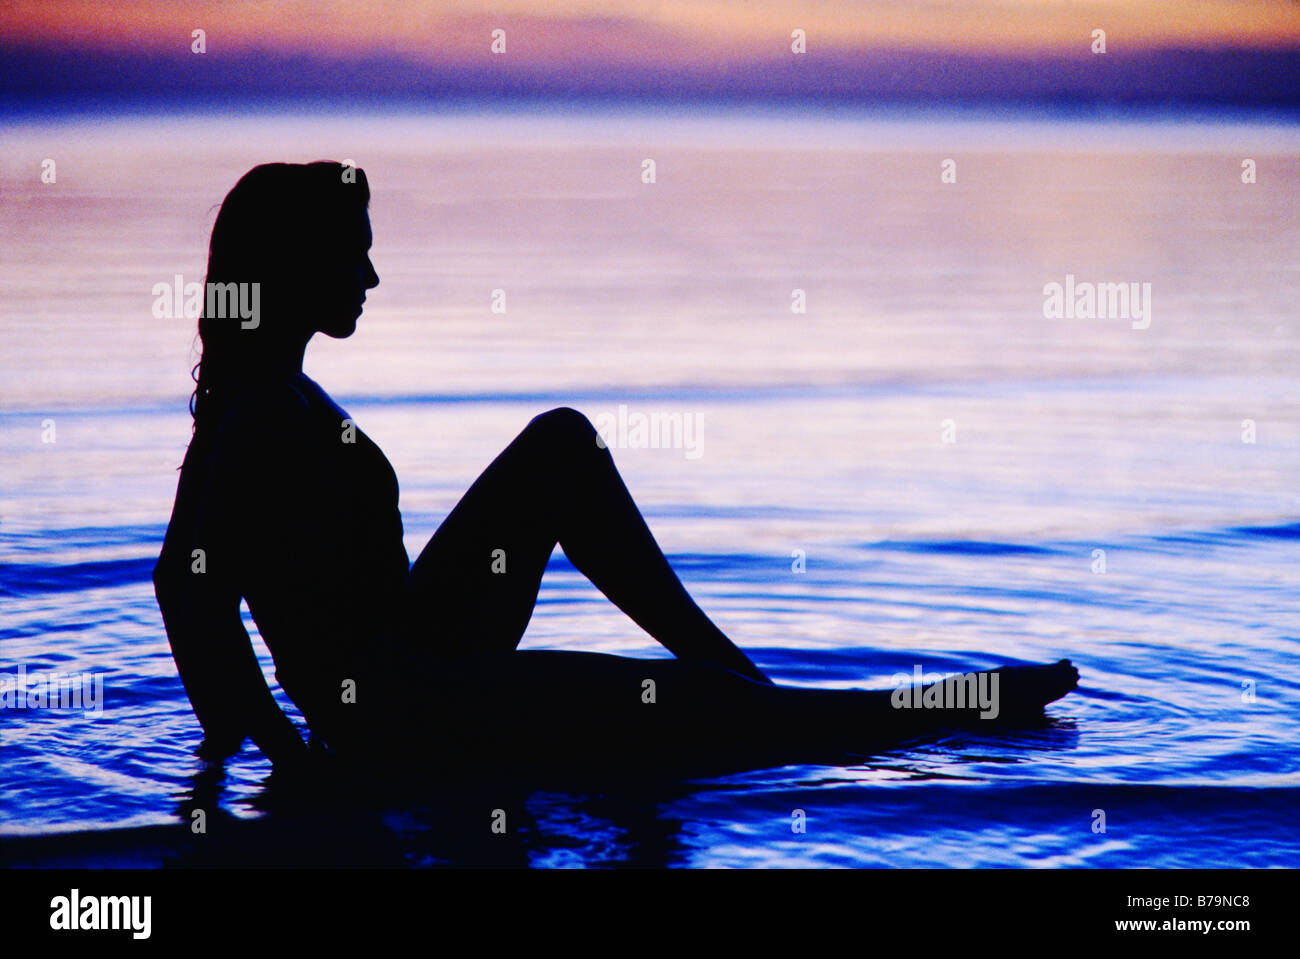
473	587
592	711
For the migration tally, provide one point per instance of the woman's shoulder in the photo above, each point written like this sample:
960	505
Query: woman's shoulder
316	398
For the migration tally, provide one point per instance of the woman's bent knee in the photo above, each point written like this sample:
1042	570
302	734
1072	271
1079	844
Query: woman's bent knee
562	425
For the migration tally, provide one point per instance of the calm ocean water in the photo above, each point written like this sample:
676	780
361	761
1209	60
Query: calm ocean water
969	483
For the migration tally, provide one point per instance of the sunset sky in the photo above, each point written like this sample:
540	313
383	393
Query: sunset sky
1198	49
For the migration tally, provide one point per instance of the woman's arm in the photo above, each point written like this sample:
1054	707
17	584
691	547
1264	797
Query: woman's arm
219	669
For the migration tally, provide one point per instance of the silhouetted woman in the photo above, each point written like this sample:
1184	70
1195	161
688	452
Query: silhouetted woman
284	503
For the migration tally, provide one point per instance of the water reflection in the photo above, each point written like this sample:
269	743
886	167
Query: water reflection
558	820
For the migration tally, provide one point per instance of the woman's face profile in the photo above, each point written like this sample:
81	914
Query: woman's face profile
345	284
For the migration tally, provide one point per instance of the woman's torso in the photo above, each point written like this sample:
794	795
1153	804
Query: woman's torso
330	607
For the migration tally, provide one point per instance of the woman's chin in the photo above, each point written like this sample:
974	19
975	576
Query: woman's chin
340	330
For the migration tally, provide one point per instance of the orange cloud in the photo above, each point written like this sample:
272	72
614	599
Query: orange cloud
673	31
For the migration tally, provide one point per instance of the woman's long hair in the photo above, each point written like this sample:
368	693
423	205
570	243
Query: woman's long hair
283	226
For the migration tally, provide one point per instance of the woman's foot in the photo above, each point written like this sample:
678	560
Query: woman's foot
1027	689
974	699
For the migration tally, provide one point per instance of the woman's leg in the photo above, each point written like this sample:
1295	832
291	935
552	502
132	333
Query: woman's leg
596	712
474	586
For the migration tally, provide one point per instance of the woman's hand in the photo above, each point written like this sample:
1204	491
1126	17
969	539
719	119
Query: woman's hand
304	770
277	737
216	748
